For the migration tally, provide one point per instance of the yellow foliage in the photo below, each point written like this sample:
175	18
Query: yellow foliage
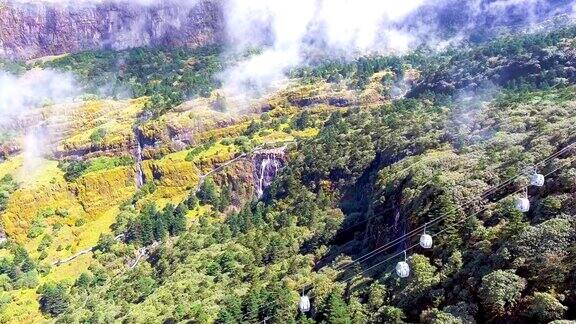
43	188
101	189
24	307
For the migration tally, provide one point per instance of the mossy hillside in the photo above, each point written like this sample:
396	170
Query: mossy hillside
72	214
23	308
113	119
172	171
92	200
45	188
186	120
319	91
99	190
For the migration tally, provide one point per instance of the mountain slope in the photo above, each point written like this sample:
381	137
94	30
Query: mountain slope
149	209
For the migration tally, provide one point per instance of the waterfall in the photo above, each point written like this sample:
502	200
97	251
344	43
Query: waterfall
267	163
138	158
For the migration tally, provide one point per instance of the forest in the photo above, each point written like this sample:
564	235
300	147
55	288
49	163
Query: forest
448	158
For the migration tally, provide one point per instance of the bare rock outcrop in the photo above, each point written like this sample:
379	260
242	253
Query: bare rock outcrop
36	29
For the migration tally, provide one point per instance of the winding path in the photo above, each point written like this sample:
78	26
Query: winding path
74	256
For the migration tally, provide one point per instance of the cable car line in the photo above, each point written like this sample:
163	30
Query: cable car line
535	180
401	266
487	192
439	218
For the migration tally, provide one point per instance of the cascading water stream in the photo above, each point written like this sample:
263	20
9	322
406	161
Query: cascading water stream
266	168
263	166
138	158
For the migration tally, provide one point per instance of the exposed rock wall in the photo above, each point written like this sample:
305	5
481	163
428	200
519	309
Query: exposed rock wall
36	29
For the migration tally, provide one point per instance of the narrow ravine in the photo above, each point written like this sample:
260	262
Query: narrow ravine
137	152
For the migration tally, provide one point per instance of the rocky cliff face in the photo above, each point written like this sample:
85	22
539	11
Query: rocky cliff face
36	29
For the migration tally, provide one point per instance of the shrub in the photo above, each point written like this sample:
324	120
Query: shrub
97	137
54	298
544	307
500	291
73	169
79	222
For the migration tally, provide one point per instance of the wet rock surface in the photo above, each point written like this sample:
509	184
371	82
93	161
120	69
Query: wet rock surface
266	165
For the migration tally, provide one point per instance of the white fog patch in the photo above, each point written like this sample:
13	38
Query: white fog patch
33	89
286	22
33	150
96	2
357	25
287	30
290	31
22	94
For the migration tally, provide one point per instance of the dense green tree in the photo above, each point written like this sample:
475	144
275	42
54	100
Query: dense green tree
145	224
500	291
208	193
84	280
105	243
192	200
436	316
388	314
225	198
337	311
160	227
448	210
179	221
544	307
231	311
54	298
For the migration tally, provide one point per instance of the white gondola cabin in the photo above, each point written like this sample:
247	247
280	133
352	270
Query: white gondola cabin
304	304
537	180
523	204
425	241
402	269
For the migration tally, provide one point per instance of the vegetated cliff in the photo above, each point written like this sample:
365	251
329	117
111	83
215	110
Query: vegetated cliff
36	29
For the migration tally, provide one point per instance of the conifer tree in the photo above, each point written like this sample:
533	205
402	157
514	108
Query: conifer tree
160	228
225	199
146	224
448	210
337	311
179	220
208	193
232	310
168	216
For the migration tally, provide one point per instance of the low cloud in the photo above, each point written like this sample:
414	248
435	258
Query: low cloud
92	2
290	32
21	94
33	89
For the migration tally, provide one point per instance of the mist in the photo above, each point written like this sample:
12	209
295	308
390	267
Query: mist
289	34
22	94
77	3
33	89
